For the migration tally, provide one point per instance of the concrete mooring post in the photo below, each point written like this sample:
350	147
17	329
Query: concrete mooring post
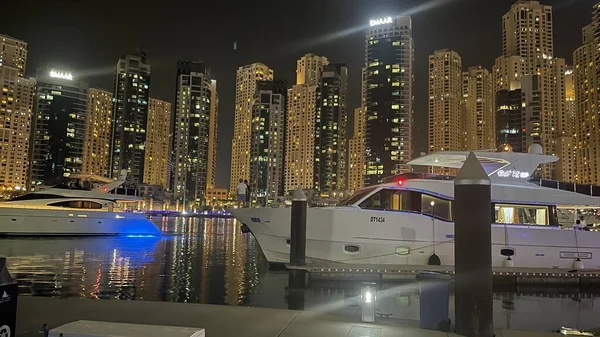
298	229
298	276
472	250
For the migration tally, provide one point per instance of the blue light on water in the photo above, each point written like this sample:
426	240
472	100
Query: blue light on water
140	236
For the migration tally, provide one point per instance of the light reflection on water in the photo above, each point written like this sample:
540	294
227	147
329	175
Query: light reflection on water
211	261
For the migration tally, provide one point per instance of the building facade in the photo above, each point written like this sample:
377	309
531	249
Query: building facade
157	143
507	72
446	123
330	130
478	94
192	126
245	90
308	69
213	129
59	131
509	124
130	114
566	147
300	124
527	32
531	114
98	127
587	97
13	54
17	99
268	140
356	152
389	57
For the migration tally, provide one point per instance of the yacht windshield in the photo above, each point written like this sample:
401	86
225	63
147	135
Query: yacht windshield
357	196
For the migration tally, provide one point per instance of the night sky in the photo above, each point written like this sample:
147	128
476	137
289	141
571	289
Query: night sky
89	36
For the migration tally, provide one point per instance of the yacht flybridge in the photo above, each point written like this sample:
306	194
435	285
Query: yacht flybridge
83	206
409	218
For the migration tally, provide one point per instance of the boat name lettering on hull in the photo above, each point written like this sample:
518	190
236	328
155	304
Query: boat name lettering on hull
377	219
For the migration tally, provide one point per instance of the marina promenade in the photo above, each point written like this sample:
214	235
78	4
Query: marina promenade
217	320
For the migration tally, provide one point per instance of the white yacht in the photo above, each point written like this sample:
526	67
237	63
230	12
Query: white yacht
408	218
84	206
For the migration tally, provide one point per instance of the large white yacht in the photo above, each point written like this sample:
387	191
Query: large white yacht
408	218
84	206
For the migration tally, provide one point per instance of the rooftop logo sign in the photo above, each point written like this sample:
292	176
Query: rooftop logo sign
380	21
61	74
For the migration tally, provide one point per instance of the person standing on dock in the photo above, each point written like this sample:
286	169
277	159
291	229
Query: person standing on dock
242	191
248	192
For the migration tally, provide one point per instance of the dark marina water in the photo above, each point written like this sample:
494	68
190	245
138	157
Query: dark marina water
211	261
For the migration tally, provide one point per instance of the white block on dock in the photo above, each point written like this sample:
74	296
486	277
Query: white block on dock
110	329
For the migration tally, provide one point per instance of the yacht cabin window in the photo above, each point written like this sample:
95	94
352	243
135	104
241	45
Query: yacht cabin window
77	204
522	214
408	201
357	196
440	208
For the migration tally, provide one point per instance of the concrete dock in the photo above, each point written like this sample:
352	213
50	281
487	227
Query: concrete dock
217	320
501	275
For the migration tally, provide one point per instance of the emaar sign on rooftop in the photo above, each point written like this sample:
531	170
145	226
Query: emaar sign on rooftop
61	74
380	21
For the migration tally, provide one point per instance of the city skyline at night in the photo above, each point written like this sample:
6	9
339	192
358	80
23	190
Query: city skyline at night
340	38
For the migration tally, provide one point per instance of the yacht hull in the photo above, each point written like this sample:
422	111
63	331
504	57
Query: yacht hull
37	222
356	236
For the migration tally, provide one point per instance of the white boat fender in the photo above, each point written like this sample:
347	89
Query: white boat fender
508	263
578	264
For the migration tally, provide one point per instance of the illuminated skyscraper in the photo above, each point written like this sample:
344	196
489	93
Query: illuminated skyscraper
507	72
300	124
245	89
587	100
356	152
212	136
157	143
446	131
330	130
59	131
566	147
308	69
268	140
192	124
478	94
531	109
389	58
528	50
98	126
509	124
17	99
130	114
13	54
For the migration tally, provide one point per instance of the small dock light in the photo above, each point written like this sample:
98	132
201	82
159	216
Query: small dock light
368	297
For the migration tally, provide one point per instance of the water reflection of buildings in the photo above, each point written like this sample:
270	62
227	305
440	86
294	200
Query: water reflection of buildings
206	261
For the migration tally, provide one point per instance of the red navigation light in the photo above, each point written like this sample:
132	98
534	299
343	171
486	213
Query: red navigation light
104	189
400	182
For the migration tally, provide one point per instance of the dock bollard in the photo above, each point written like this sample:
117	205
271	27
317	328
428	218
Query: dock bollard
434	301
298	229
472	213
8	302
